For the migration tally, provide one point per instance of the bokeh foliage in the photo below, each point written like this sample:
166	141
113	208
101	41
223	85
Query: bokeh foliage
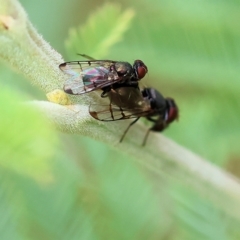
69	187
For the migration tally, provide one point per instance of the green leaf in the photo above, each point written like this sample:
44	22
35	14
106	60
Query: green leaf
27	140
197	218
103	29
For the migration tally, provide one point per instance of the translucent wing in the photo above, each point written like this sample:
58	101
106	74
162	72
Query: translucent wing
125	103
86	76
111	112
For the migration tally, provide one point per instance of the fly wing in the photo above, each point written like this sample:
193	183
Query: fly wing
86	76
111	112
77	66
125	103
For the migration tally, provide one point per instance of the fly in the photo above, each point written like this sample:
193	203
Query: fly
129	102
90	75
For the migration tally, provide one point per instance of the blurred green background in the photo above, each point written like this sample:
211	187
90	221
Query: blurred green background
192	50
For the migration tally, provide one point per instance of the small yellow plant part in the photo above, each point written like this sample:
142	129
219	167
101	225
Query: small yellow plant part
58	96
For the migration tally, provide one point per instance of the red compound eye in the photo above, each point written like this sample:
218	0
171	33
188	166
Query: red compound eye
140	69
173	110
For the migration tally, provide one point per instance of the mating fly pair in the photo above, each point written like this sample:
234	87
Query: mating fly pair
119	82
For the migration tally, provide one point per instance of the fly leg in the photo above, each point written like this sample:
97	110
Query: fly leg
125	132
113	92
110	107
146	137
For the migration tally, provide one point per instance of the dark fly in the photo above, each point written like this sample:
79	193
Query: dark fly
87	76
128	102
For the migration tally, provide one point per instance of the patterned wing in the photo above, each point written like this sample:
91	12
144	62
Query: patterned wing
125	103
87	76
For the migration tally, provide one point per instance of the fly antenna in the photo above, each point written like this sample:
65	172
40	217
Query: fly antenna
85	56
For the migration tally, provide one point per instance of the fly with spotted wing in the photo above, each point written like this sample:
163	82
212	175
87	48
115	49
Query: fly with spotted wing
90	75
128	102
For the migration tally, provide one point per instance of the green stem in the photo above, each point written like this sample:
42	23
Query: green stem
25	50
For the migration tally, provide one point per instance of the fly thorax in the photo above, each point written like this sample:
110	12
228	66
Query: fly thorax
112	76
123	69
